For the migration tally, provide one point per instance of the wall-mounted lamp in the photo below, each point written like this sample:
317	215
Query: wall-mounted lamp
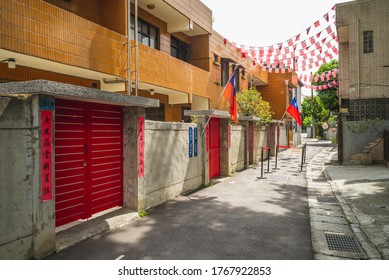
150	6
11	62
151	91
286	82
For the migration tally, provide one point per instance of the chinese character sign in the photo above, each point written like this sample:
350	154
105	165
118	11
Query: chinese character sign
46	151
141	147
190	142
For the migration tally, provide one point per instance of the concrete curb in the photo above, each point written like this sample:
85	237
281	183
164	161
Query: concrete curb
327	216
368	234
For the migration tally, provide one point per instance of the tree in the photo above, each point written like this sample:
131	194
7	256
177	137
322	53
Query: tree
328	97
319	108
250	103
313	109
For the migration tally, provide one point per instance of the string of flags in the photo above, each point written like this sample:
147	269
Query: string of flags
328	79
309	49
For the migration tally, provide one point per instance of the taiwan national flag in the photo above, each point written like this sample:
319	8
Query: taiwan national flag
230	93
293	110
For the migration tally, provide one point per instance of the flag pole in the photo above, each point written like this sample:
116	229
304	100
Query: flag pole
220	97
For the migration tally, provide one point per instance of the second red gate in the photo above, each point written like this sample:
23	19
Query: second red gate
214	148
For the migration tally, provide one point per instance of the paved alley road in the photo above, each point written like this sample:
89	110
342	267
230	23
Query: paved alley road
241	217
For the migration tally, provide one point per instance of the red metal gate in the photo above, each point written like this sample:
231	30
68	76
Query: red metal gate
214	148
88	159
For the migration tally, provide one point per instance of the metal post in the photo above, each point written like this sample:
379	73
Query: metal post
129	81
275	164
268	159
302	159
136	47
261	162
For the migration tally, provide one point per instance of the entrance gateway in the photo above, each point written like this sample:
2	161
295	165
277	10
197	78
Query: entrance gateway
214	148
88	159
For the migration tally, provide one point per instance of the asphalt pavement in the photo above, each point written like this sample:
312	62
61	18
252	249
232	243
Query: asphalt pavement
238	217
323	211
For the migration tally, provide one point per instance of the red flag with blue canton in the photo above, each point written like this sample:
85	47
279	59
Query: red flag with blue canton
293	110
230	93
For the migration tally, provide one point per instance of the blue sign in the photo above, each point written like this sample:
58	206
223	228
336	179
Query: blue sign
46	103
195	141
190	142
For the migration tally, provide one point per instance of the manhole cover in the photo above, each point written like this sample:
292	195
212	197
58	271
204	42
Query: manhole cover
343	243
327	199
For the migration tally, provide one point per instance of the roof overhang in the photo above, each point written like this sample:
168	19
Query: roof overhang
51	66
249	118
23	90
174	96
176	21
210	113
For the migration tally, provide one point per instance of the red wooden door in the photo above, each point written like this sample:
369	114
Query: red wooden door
88	159
214	148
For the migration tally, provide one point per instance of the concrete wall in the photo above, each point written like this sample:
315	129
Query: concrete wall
283	136
16	175
26	223
238	148
260	140
356	145
168	169
357	66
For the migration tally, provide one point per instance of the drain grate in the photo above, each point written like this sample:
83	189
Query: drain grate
343	243
327	199
319	180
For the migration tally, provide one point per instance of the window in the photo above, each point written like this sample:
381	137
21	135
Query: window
225	71
156	114
368	42
185	119
147	34
216	59
179	49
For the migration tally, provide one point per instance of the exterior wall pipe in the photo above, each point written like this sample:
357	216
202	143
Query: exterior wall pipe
358	62
129	81
136	47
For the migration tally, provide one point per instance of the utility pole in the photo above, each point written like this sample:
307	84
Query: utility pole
313	120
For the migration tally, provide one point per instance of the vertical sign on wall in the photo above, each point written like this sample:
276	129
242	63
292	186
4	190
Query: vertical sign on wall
47	107
190	142
195	141
141	147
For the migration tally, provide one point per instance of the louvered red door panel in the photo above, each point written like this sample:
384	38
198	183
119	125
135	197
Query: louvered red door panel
214	148
105	157
70	158
89	159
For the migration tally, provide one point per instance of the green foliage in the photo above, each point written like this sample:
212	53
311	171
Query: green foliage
250	103
314	109
328	97
318	108
143	213
307	121
365	125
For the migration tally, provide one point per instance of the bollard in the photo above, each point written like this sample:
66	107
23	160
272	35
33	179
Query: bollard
261	162
305	152
275	163
268	159
302	158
